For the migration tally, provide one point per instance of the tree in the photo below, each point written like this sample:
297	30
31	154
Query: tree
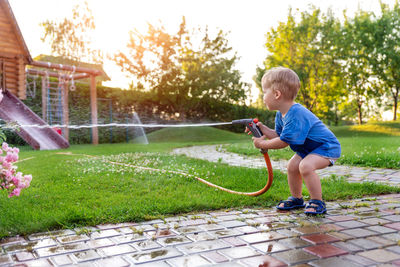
180	74
70	38
309	48
355	50
385	57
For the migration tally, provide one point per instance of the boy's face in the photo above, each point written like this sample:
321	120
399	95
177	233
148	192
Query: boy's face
270	99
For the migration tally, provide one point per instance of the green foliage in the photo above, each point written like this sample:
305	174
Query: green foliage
180	75
70	38
309	48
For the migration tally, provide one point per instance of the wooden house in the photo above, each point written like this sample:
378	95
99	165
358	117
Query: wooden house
14	54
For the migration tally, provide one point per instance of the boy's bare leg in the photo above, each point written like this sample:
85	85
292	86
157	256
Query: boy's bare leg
307	168
294	179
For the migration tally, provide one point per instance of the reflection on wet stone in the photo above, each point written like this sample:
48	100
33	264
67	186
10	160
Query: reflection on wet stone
154	255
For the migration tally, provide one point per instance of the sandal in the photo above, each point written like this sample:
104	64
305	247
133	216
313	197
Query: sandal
291	203
318	205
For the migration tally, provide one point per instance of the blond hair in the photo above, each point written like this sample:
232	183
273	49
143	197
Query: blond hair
282	79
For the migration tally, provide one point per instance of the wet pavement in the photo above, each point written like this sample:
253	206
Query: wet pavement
361	232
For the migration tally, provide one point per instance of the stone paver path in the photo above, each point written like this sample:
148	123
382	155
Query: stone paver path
363	232
353	174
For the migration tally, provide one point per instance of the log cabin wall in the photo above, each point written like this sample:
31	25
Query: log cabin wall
14	55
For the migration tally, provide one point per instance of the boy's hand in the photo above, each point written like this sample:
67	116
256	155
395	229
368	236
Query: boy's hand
260	125
259	142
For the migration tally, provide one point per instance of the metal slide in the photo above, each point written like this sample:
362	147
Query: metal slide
12	109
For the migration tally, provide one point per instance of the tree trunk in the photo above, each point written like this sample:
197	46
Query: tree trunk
359	113
395	104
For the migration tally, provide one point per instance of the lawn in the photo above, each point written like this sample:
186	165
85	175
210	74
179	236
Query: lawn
374	144
73	190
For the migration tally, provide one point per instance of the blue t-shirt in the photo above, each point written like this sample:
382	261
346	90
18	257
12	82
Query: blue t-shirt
305	133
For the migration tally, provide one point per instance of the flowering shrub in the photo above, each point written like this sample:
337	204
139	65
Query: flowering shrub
11	180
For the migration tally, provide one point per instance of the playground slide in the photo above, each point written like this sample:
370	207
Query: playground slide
12	109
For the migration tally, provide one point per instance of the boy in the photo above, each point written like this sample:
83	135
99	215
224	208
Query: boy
315	145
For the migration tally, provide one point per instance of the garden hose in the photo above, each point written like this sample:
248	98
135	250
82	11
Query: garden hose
256	193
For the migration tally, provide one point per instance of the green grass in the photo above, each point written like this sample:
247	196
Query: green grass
374	144
70	191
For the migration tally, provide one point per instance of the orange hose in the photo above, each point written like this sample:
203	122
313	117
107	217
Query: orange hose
253	194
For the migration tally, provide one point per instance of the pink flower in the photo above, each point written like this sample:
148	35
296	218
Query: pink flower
4	146
16	150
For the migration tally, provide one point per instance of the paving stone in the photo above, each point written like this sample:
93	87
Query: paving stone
156	264
39	236
37	263
5	259
24	256
341	218
215	257
72	239
263	260
12	240
359	232
239	252
116	250
348	246
211	227
192	222
351	224
341	236
190	229
306	230
61	260
395	249
294	243
153	255
202	236
383	241
88	255
394	218
146	245
333	262
359	260
381	229
174	240
247	229
104	234
225	233
395	226
287	232
129	238
261	237
232	224
270	247
63	249
375	221
380	255
193	260
296	256
365	243
114	262
203	246
234	241
325	251
99	243
319	238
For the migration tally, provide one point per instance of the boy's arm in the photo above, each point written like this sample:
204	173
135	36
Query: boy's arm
274	143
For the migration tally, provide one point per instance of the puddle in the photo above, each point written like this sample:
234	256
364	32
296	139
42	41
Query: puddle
171	240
